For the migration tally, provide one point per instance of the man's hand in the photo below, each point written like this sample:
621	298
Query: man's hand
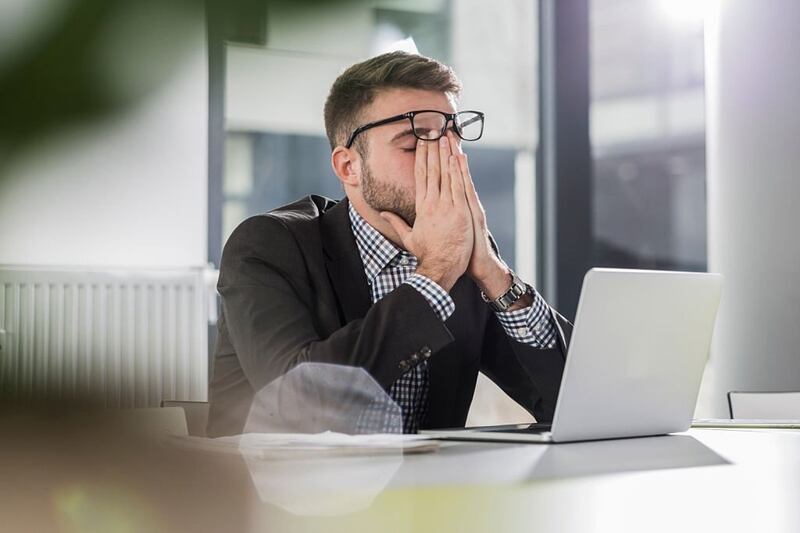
442	237
487	270
483	259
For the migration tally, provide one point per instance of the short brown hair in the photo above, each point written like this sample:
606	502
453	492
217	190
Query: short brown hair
357	87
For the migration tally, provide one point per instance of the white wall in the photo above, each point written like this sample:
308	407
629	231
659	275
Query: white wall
130	191
753	154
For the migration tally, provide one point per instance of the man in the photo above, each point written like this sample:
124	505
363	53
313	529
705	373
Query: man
400	278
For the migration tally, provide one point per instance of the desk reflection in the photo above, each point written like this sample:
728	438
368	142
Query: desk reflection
623	455
322	486
327	486
492	463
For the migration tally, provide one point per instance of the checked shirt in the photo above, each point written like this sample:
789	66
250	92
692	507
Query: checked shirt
386	267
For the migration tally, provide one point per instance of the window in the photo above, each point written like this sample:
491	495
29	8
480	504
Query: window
647	135
275	147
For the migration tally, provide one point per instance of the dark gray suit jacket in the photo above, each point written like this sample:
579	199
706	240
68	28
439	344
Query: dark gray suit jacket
294	290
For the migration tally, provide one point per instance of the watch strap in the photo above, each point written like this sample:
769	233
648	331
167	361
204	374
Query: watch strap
510	297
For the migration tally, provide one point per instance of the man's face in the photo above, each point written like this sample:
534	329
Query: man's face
387	177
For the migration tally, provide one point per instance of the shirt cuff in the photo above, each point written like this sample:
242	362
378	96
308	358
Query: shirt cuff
441	302
531	325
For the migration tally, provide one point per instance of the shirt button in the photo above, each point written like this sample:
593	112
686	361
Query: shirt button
404	260
537	328
425	352
522	332
403	365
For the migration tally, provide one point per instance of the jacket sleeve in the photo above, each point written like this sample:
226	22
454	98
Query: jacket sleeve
531	376
267	300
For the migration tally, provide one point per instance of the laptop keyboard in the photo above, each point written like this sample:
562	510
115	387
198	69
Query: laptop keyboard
533	428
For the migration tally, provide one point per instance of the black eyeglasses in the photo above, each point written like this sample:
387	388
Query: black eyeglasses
428	125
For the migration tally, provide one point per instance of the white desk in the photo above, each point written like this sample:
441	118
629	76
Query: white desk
69	478
706	480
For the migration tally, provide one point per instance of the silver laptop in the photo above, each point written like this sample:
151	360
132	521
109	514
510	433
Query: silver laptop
635	360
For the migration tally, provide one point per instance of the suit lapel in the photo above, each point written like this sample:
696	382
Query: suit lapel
343	263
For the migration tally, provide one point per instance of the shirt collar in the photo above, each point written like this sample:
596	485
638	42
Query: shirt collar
376	250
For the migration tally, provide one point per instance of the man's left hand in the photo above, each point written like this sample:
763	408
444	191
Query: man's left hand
488	271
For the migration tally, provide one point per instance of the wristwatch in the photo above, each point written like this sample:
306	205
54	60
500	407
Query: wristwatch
510	297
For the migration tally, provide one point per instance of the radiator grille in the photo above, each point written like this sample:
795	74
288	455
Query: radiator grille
130	338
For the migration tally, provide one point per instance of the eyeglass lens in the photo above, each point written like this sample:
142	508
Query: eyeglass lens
430	126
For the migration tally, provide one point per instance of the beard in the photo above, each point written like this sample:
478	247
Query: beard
388	197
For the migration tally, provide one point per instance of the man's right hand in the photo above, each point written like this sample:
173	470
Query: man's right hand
442	236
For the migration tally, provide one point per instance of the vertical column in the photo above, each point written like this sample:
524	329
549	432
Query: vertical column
565	161
753	147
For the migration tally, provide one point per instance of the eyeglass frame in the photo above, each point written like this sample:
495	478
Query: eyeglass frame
410	116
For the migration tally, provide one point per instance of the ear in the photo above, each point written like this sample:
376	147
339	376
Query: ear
347	165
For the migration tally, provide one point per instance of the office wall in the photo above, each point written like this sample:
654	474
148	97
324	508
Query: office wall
753	83
129	190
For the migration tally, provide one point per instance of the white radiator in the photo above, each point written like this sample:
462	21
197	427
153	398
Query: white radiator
131	338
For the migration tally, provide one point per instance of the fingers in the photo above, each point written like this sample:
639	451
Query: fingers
469	186
457	183
433	170
462	162
456	180
471	194
421	171
444	165
440	171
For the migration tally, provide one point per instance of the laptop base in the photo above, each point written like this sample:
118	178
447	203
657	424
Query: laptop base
535	433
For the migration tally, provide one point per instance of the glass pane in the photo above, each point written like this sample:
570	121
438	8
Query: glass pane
648	134
275	94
